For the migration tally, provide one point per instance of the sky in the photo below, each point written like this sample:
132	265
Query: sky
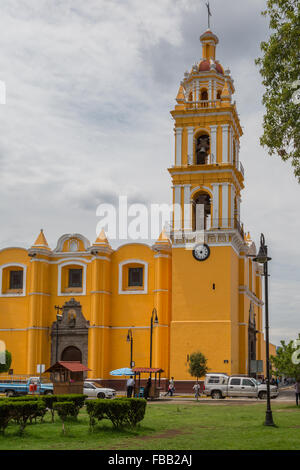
89	87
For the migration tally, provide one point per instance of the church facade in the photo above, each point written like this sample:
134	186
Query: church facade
197	285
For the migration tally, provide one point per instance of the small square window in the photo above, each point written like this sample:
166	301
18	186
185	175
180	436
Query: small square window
16	279
135	277
75	277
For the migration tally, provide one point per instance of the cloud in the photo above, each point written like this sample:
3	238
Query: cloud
89	89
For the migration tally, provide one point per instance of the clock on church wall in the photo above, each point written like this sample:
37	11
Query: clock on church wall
201	252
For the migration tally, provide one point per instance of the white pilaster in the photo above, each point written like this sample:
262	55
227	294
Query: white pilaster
213	144
210	90
190	145
225	143
231	143
225	194
187	207
177	207
215	90
178	133
237	153
232	205
215	201
197	91
239	209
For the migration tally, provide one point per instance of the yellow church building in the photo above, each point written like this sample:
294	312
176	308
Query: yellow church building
198	284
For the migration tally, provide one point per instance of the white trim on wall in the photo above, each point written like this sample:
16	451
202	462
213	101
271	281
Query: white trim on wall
133	261
19	265
70	294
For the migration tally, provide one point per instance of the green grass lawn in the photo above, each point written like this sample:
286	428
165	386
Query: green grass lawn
172	427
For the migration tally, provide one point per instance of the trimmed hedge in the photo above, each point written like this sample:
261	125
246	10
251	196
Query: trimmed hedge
5	414
121	411
22	411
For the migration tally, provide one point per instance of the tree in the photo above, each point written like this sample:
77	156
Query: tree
287	359
198	365
280	69
5	367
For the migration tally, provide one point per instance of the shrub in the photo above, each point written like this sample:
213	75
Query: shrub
120	411
137	409
5	415
96	410
64	410
49	401
77	399
22	411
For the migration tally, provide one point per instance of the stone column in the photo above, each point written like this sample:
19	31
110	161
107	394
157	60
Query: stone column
178	157
215	201
213	144
187	207
190	145
225	128
225	194
177	208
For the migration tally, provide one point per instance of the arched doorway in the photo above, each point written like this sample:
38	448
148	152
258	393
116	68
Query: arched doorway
71	353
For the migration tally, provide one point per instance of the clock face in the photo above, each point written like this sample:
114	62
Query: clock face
201	252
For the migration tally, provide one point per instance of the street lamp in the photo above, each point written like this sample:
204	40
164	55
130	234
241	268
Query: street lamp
58	319
263	258
153	316
130	339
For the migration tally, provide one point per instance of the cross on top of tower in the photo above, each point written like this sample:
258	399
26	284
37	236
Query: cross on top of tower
208	14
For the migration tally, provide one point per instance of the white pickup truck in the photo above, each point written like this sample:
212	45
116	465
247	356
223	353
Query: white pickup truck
222	385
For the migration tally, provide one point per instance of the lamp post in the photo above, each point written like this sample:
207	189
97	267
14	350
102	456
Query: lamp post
58	318
263	258
130	339
155	318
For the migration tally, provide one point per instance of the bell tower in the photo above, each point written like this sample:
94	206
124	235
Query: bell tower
207	169
206	231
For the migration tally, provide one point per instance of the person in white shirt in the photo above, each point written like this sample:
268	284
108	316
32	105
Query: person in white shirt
197	388
130	386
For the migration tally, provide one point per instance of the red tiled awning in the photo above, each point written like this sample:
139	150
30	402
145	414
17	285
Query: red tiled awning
146	370
72	366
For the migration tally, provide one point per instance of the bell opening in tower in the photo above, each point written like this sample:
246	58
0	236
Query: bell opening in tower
202	149
201	219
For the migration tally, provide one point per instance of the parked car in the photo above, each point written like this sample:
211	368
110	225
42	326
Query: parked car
14	386
92	389
222	385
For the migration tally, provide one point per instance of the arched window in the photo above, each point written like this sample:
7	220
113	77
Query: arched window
204	95
219	93
191	96
133	277
12	280
201	219
202	149
72	278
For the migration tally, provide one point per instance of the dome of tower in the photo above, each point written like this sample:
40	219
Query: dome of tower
206	65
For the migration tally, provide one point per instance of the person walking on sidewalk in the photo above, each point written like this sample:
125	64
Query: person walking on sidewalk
171	387
197	389
130	386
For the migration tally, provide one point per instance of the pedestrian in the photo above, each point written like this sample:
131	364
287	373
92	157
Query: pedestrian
297	391
196	389
171	387
147	388
130	386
